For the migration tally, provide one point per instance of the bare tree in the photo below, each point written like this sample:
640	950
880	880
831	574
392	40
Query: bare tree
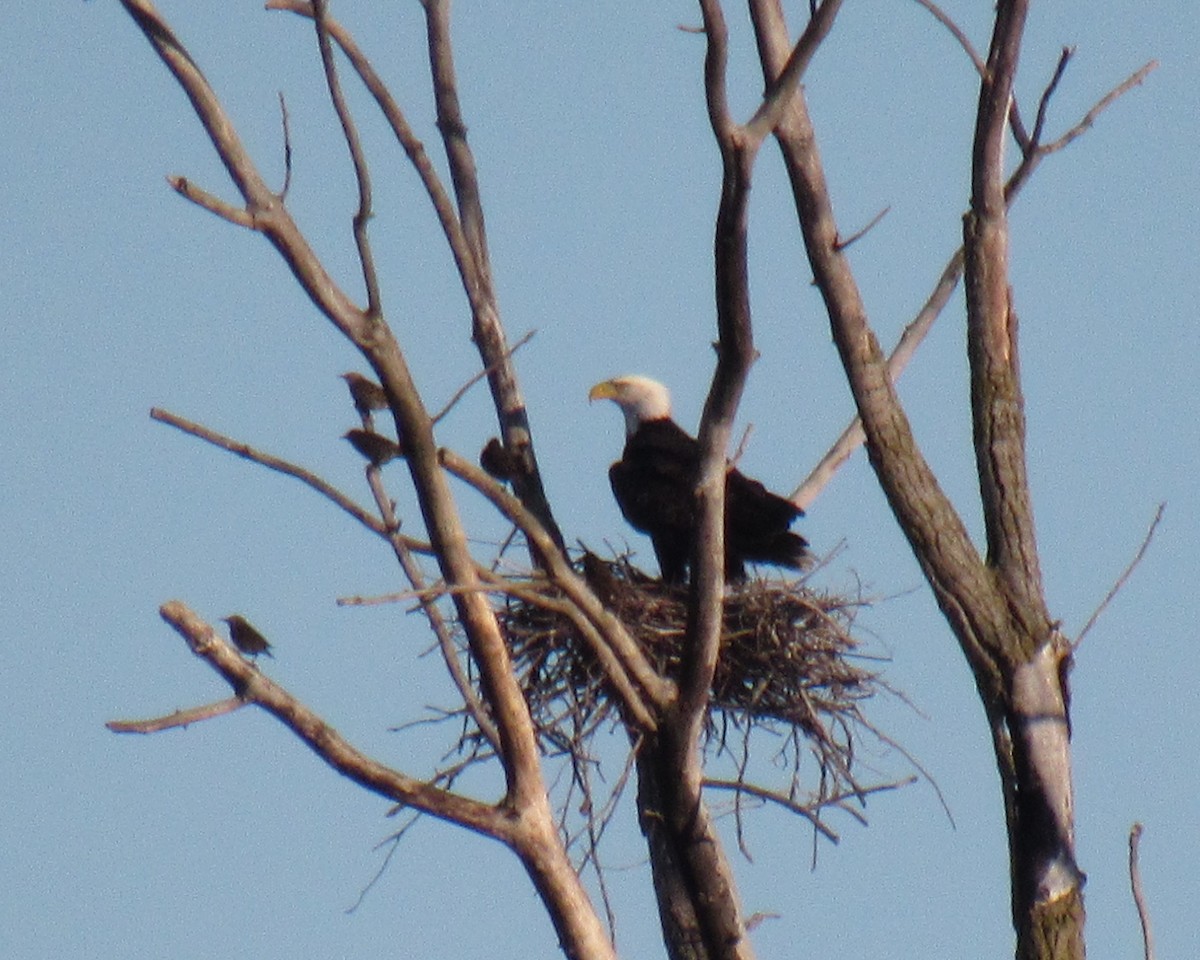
994	603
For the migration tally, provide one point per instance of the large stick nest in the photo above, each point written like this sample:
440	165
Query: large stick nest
787	659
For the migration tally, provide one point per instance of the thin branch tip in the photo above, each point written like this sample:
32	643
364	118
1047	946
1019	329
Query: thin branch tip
1120	582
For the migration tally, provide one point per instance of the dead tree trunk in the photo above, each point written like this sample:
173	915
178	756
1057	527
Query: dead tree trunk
994	604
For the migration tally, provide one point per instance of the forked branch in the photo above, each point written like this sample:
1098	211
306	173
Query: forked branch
252	686
464	230
853	436
362	174
263	209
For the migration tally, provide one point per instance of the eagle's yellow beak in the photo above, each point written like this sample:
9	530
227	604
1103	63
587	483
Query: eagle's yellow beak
605	390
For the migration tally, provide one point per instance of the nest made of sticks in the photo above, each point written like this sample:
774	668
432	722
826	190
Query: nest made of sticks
788	658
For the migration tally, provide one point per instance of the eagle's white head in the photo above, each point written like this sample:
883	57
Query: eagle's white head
639	398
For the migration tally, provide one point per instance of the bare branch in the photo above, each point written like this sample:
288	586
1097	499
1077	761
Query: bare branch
437	623
923	511
716	61
443	205
265	209
1018	127
780	89
389	528
992	344
179	718
254	687
805	810
735	354
1139	896
361	174
287	148
1033	151
527	823
858	235
485	372
853	436
1040	122
1134	80
247	452
213	204
691	873
958	33
809	811
1122	579
487	331
466	236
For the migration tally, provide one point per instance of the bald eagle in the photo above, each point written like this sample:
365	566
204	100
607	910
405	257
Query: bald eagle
655	479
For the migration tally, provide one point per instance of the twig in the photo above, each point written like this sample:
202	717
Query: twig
742	444
487	332
1014	114
963	40
264	211
213	204
358	600
1125	575
1139	897
1039	124
852	437
394	841
361	173
307	477
403	546
785	84
1134	80
433	614
180	718
485	372
287	148
806	810
408	140
843	244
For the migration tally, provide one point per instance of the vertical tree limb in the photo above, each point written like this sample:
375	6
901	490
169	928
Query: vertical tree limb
362	174
487	332
997	403
1047	884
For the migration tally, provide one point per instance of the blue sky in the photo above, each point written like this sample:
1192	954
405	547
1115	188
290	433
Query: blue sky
600	181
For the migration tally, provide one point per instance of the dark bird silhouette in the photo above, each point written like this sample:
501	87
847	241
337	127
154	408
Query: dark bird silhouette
366	394
375	447
655	480
246	638
499	461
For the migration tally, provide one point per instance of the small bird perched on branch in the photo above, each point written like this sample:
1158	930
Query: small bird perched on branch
246	638
366	394
375	447
499	461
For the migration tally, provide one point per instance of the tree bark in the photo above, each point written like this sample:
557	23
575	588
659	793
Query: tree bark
996	606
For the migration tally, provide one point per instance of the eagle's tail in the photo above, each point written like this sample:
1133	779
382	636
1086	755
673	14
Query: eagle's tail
784	549
781	548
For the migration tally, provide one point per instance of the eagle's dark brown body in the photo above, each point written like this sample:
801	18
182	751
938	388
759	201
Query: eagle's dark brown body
654	483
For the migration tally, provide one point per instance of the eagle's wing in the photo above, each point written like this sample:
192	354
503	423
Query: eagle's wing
653	483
